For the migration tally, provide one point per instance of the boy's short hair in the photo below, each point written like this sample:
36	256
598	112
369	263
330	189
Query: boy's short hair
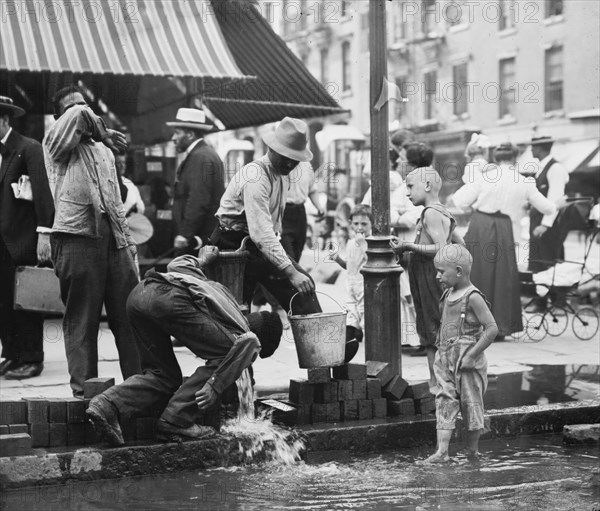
363	210
428	174
419	155
456	254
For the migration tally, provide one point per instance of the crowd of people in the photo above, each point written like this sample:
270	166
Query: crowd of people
74	217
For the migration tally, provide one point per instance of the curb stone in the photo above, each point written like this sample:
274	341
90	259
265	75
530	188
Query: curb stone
47	468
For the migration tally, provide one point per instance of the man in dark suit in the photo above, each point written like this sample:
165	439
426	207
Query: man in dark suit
198	182
24	240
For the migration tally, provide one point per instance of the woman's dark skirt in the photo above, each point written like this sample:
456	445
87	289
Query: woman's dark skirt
495	273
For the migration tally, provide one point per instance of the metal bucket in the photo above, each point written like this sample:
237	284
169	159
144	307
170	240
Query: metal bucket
228	269
320	338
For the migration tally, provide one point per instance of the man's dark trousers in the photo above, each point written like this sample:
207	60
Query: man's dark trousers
21	332
156	311
293	230
92	272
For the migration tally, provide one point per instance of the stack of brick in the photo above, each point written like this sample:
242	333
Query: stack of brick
348	395
402	399
59	422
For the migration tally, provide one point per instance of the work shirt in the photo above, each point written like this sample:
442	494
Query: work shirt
302	184
557	177
83	177
503	190
215	300
253	203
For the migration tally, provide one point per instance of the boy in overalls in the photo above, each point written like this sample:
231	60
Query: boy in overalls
467	329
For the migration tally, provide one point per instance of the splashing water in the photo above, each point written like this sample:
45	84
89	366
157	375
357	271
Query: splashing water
258	435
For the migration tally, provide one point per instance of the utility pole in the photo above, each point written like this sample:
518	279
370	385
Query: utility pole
381	272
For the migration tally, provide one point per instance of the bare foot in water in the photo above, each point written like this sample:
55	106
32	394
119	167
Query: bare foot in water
207	255
437	457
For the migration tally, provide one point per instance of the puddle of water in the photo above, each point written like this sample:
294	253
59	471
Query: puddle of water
530	473
543	384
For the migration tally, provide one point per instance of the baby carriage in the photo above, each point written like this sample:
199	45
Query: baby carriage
563	282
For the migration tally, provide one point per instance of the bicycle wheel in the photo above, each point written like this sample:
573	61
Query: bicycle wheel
585	323
535	327
557	320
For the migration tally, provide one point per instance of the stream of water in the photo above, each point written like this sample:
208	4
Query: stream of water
258	434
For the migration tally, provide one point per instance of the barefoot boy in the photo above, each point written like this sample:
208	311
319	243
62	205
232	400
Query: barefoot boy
434	230
467	329
356	258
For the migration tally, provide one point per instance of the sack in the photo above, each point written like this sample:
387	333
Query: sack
22	189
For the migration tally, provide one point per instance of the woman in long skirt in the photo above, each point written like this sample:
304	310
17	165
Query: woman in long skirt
497	199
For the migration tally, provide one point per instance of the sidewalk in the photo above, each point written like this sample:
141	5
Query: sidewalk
273	374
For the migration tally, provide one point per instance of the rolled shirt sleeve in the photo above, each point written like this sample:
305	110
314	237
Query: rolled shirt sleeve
538	201
256	196
67	132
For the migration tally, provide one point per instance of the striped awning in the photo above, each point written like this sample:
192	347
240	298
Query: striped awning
119	37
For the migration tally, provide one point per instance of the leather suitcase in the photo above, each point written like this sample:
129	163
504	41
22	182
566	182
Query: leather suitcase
37	290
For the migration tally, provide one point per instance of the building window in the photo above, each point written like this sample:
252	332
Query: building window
303	14
554	8
346	67
324	66
507	88
460	90
454	12
428	16
507	14
400	110
430	90
398	31
554	79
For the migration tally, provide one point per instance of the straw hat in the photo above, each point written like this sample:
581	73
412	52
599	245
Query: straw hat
192	118
542	141
7	105
290	139
140	227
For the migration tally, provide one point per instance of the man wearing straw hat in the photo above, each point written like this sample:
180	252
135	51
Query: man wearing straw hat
26	213
198	181
253	204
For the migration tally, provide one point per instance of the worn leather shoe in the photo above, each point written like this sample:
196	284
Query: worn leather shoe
25	371
7	365
103	416
170	432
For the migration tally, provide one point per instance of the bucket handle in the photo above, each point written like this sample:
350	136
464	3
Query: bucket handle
319	293
243	244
